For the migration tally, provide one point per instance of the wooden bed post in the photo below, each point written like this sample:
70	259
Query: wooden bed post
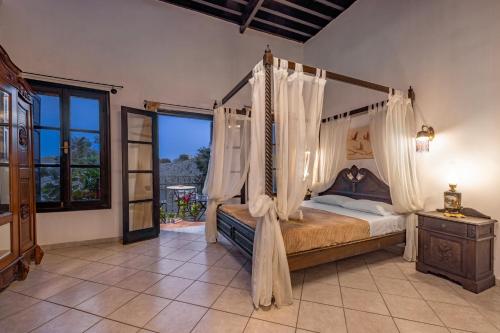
268	65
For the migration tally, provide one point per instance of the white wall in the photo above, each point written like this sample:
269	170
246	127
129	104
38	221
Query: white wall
449	51
156	50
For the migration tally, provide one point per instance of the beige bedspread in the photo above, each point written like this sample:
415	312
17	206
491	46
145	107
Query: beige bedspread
318	229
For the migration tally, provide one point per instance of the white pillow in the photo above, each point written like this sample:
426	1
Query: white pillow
369	206
332	199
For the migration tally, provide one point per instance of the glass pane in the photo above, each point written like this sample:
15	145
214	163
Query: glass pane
4	144
4	189
140	186
84	113
85	184
48	184
47	146
140	156
5	246
49	113
140	128
140	215
4	107
84	148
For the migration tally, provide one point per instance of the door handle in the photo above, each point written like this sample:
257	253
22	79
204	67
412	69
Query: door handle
65	147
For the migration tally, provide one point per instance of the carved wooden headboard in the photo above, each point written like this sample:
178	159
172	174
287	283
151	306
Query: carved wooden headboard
360	184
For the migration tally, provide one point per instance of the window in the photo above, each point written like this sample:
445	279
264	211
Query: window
71	148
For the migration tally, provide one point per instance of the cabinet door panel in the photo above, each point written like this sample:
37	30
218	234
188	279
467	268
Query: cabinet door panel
445	252
26	209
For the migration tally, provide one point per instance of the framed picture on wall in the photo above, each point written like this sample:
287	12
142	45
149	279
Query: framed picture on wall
358	144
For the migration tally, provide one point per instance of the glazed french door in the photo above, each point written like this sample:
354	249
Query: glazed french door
141	208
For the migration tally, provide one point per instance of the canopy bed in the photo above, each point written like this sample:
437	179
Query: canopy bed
280	153
323	236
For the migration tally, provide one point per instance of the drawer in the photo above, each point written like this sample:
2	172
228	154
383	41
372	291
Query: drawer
452	228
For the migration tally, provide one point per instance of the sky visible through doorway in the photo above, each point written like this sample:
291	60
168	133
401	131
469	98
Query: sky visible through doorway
181	135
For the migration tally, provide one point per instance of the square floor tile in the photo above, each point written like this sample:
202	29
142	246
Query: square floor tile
159	251
72	321
34	278
176	243
68	265
412	309
358	280
118	258
176	318
164	266
386	269
90	270
285	315
406	326
363	300
139	262
221	322
322	293
201	293
231	261
182	255
243	279
235	300
462	317
31	317
140	310
140	281
260	326
11	302
363	322
77	294
321	318
207	257
51	287
218	275
196	246
297	279
107	302
396	287
114	275
169	287
190	271
438	293
109	326
326	273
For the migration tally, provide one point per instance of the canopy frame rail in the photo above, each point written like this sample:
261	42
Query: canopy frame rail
269	113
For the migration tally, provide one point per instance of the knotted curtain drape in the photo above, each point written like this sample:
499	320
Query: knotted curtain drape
270	274
228	165
396	161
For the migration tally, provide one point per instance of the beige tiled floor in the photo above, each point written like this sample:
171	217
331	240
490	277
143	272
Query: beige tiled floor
178	283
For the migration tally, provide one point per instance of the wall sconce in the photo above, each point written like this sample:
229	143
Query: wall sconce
424	137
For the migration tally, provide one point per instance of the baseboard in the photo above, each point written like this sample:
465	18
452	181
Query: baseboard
80	243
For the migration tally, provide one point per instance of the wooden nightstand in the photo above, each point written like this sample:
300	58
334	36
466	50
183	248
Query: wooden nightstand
458	248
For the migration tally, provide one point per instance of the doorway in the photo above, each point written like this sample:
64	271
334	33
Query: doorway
184	153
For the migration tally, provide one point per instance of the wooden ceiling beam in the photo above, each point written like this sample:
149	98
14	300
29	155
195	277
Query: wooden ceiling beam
249	13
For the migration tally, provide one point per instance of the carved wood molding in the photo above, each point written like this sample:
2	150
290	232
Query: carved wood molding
360	184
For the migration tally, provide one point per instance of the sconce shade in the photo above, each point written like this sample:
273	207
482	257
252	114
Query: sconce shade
423	138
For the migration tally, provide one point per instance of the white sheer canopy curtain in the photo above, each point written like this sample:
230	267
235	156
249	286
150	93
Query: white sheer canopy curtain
270	274
298	104
228	165
378	119
331	156
401	166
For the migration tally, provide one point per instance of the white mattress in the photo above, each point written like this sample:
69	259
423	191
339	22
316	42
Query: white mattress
379	225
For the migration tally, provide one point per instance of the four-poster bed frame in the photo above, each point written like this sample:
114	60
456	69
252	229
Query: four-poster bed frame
346	183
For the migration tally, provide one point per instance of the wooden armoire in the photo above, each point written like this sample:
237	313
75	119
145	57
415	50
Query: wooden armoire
18	246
